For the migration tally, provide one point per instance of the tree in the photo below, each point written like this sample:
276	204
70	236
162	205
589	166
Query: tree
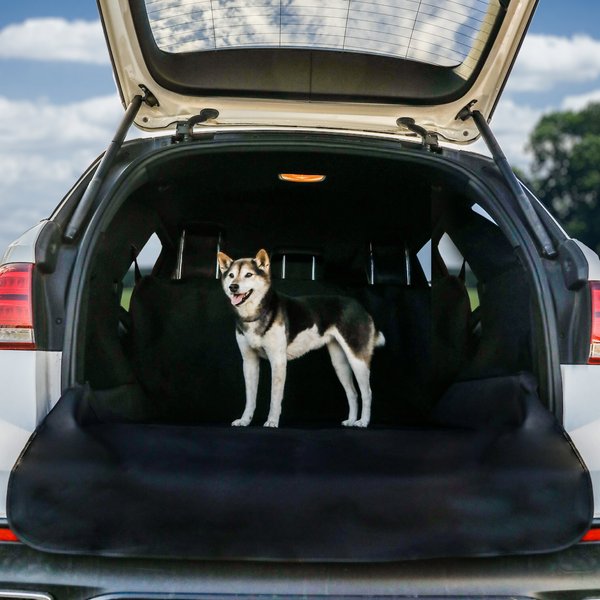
566	170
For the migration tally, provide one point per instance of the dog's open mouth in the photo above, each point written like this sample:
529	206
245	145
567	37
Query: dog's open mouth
239	299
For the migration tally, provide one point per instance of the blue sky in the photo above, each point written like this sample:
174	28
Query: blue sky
566	18
59	107
59	81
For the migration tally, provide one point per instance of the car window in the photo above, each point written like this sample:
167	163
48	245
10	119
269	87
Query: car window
454	262
424	258
146	259
481	211
446	33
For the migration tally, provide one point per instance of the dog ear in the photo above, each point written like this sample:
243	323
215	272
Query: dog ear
262	260
224	261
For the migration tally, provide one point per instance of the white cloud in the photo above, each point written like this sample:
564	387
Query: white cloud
57	125
579	101
54	39
45	148
548	60
545	62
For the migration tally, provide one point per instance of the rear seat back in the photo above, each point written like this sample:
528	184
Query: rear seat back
186	358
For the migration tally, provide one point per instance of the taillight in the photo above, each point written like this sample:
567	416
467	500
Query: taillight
593	535
594	358
16	307
6	535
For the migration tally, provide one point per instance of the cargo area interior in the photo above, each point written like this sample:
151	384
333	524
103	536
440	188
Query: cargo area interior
358	233
461	457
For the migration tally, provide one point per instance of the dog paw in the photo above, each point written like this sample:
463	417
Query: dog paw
271	423
349	422
241	422
361	423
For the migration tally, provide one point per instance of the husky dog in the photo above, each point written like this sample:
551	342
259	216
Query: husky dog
281	328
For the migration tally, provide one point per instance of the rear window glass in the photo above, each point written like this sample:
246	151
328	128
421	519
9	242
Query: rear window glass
449	33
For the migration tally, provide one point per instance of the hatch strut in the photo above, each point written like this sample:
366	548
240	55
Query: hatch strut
513	183
93	187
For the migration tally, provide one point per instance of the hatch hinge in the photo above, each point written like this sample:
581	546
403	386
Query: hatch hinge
184	131
148	98
465	112
535	223
428	138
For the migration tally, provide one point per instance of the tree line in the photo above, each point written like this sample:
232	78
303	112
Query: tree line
565	170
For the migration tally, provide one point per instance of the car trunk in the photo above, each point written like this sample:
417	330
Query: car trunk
462	457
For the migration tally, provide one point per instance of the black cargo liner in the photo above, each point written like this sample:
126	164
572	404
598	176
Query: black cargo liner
487	479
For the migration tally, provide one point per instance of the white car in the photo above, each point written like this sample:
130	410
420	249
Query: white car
327	135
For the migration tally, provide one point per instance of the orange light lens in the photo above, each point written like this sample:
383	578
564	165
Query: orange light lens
301	178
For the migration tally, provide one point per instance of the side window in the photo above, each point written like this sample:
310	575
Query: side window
424	258
454	261
146	260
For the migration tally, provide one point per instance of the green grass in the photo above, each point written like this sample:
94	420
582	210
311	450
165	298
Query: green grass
126	297
473	297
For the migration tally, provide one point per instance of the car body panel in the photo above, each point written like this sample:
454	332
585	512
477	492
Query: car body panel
31	379
593	261
168	106
30	387
573	573
582	418
22	250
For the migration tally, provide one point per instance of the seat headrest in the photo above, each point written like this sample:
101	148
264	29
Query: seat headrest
297	263
197	251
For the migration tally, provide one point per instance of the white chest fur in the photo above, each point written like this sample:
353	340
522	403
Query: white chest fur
272	342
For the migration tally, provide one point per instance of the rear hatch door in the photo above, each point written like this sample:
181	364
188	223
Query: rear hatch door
352	64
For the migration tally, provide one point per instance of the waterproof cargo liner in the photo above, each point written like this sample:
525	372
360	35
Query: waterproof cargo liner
495	475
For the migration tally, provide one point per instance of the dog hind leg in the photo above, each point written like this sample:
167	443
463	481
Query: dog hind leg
361	368
362	372
344	373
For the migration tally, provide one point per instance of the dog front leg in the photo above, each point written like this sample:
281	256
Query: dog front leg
278	372
251	367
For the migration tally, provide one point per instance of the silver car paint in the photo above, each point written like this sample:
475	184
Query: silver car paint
30	380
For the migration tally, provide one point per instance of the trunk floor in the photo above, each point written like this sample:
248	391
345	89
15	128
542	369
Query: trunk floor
488	479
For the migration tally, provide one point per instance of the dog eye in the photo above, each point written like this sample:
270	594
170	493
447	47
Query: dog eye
248	275
230	274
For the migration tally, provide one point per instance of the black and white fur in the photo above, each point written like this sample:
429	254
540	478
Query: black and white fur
280	328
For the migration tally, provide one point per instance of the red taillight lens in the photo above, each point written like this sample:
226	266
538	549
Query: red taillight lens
594	358
593	535
16	307
6	535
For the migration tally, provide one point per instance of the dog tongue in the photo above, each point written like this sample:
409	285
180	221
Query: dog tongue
236	299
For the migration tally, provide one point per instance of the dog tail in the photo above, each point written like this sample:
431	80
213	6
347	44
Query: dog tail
379	339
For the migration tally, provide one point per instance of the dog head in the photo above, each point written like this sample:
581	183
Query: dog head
245	281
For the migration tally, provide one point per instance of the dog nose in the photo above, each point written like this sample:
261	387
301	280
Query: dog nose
233	288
